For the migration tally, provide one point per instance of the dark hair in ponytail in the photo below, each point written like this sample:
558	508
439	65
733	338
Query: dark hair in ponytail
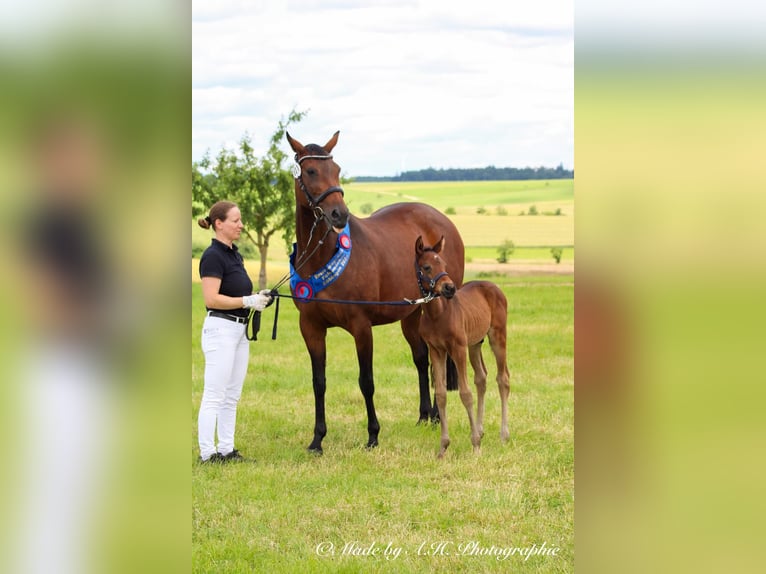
219	210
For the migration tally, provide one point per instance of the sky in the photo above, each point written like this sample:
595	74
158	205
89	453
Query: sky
410	84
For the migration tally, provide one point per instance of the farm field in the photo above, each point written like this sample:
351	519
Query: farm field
466	196
291	511
482	233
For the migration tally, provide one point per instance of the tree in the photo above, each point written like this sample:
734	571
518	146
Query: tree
505	251
557	252
261	188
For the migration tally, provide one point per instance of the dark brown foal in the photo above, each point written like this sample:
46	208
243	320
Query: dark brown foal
456	320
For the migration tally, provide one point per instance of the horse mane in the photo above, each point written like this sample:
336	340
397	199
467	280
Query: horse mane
315	149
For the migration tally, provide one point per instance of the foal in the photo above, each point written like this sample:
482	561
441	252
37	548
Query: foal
456	319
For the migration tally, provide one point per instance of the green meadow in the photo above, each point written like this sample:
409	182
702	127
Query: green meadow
294	512
466	196
501	203
397	508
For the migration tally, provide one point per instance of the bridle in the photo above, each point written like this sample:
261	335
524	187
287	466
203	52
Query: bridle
319	213
298	174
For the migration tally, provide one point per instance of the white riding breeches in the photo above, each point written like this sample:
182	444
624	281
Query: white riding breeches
227	351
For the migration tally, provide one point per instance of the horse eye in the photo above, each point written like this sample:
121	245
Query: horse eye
427	268
311	171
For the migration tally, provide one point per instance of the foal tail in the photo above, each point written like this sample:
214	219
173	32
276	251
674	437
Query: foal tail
451	375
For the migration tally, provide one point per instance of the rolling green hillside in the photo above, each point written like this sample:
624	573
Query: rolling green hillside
501	204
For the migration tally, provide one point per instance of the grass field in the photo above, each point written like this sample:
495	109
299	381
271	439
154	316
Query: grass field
465	197
294	512
479	231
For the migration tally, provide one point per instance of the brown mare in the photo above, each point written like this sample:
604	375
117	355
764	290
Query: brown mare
380	269
456	319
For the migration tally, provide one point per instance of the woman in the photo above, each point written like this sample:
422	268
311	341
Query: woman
227	290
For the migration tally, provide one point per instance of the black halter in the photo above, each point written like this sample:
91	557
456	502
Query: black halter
431	282
314	202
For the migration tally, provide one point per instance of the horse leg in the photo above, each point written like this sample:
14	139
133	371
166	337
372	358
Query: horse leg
480	380
363	339
439	368
315	343
497	343
410	326
459	356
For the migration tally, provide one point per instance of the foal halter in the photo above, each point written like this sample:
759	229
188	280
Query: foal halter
431	282
298	174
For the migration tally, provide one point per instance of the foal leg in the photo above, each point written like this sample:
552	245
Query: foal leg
497	339
480	380
458	354
363	339
439	367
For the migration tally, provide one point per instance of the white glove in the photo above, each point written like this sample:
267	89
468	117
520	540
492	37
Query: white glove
258	301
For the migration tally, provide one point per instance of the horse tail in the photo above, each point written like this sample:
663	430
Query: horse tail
451	375
483	365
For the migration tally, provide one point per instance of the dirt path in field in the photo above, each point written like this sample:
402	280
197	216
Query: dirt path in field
391	193
521	268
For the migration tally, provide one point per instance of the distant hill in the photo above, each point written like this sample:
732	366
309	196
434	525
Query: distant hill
489	173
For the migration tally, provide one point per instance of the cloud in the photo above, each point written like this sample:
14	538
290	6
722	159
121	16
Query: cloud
390	76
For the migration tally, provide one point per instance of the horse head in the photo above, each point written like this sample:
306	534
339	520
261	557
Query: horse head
432	269
318	178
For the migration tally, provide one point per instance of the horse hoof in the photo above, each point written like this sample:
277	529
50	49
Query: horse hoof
315	450
423	420
372	444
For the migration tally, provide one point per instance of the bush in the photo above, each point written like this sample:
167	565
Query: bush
557	252
450	211
481	210
366	208
505	251
533	210
501	210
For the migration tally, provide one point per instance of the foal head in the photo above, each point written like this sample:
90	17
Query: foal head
318	177
432	269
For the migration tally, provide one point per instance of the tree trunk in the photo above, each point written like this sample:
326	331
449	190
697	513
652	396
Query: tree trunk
263	250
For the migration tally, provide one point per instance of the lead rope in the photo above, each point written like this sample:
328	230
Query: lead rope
253	325
276	316
427	297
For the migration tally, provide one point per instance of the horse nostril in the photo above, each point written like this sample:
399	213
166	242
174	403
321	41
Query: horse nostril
338	217
449	291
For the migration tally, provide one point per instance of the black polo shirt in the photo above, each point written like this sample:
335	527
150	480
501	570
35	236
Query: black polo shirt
226	263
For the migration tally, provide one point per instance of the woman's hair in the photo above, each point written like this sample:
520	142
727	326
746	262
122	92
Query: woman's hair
218	211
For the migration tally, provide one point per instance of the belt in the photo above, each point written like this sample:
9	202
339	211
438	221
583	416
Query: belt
235	318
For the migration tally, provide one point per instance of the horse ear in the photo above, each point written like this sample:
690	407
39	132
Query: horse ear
419	248
331	144
295	144
439	246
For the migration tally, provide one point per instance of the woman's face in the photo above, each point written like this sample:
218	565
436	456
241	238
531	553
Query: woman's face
231	228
